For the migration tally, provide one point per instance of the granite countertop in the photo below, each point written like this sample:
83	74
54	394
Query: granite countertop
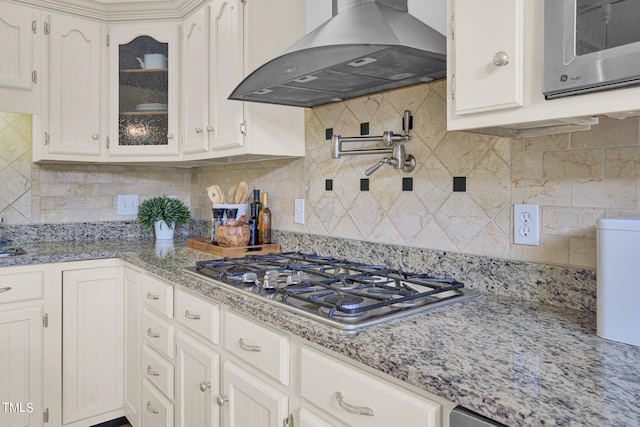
522	364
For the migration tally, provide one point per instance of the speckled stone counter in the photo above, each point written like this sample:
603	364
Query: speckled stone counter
520	363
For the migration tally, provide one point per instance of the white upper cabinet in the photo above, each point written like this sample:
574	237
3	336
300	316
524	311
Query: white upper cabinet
73	120
487	76
20	33
221	44
144	80
212	46
507	99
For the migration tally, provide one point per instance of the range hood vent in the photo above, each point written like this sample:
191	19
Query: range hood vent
368	46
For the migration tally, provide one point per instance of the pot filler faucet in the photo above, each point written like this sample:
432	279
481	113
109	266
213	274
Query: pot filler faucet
394	144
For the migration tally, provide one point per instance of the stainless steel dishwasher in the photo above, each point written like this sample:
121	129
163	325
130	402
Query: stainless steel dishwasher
461	417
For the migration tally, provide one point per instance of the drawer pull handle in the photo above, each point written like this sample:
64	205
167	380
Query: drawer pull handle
151	372
221	400
190	316
152	334
7	289
204	386
248	347
152	296
358	410
151	408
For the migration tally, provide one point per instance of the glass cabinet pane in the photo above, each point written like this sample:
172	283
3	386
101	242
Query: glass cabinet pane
143	92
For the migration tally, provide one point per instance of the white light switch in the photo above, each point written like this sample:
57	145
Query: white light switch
298	213
127	204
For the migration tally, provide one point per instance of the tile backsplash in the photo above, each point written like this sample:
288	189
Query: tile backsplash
575	178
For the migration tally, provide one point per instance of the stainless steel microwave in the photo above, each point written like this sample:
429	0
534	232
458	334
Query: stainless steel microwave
590	45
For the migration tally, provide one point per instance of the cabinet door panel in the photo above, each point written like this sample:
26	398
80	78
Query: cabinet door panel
252	402
75	96
195	81
21	367
227	68
480	84
197	368
16	47
93	342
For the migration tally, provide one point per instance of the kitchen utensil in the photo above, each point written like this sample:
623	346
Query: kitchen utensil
242	193
215	195
218	215
231	196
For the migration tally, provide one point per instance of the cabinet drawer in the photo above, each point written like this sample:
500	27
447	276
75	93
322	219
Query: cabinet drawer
358	398
199	315
158	333
157	410
263	348
21	284
157	295
158	370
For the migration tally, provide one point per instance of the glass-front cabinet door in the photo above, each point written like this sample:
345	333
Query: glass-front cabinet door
144	76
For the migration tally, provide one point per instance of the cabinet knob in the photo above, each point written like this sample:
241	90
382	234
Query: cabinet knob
221	400
209	129
204	386
500	59
95	136
198	130
169	136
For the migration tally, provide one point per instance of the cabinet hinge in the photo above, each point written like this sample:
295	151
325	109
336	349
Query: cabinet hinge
34	26
45	320
108	40
47	28
243	1
107	143
46	138
453	87
288	422
45	416
34	76
453	27
243	128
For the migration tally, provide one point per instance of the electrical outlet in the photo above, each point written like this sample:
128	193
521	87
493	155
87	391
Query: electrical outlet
127	204
298	212
526	225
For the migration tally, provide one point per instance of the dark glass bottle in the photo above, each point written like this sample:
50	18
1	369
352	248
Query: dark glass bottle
254	210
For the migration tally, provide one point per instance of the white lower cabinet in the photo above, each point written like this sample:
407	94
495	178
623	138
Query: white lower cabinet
359	398
132	344
250	402
197	383
108	327
22	307
157	410
92	344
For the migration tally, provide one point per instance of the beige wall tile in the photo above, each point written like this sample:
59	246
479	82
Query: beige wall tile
605	193
622	162
608	133
573	164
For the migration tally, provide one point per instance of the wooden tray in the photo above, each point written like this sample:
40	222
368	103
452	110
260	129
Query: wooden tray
202	244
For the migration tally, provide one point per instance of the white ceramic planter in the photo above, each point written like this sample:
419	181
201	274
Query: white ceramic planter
163	231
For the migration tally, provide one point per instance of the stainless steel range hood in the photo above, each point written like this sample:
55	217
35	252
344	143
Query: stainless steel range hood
368	46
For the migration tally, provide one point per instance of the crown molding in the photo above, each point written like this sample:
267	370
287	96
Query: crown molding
114	11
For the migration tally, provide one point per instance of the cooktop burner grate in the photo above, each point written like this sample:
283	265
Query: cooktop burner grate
337	292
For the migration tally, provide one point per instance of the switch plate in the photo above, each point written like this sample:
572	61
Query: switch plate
526	225
127	204
298	212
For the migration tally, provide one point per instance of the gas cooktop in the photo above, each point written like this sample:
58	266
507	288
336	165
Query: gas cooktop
340	293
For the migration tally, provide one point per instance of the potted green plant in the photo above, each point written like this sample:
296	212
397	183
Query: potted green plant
163	213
